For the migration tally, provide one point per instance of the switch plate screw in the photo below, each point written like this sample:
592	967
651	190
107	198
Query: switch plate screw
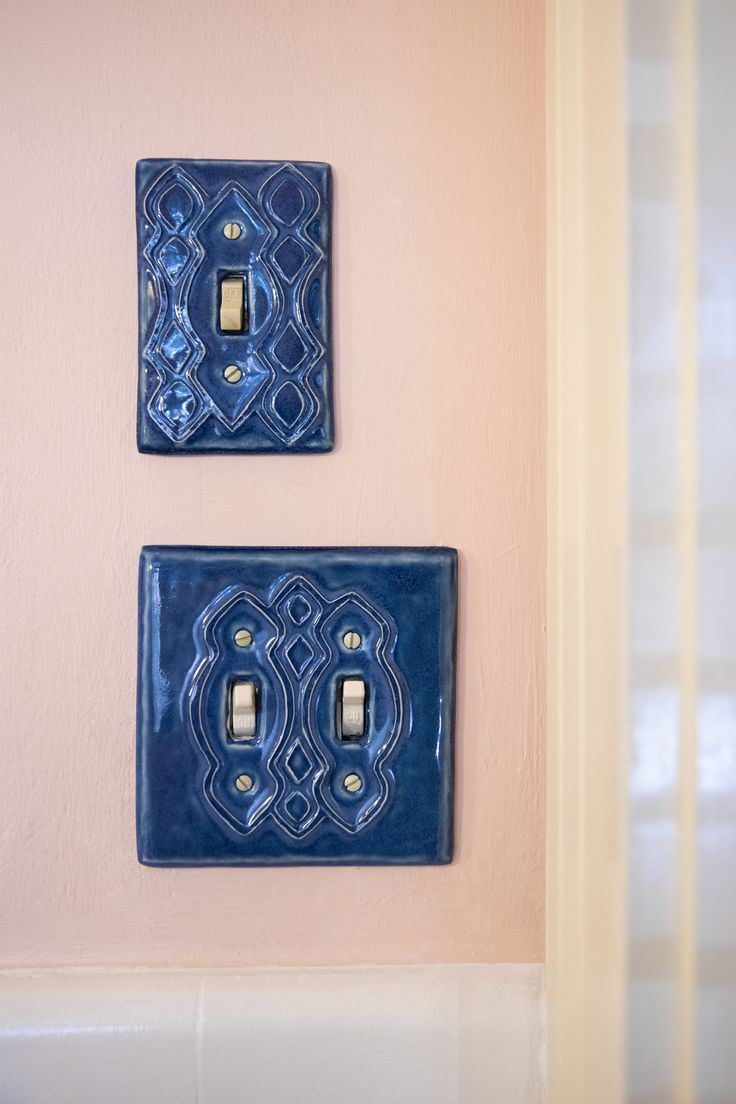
351	640
243	638
244	782
232	231
352	783
233	374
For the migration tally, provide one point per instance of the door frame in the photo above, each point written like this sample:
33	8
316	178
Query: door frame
587	549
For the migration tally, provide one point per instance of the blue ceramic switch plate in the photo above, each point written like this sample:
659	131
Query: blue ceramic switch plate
346	662
252	236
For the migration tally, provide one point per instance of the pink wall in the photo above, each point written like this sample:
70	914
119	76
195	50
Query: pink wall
432	114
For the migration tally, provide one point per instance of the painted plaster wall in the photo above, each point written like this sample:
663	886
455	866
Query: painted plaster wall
431	113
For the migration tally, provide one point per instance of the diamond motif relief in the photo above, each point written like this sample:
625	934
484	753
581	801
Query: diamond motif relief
299	654
177	404
298	764
176	207
287	203
174	256
289	258
175	347
297	808
299	609
288	404
290	349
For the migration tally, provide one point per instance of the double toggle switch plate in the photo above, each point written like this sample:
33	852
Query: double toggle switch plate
234	276
296	705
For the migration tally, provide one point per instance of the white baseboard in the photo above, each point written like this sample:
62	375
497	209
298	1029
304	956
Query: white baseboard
376	1035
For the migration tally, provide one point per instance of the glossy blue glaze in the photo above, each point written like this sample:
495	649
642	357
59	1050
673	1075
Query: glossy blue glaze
283	400
297	604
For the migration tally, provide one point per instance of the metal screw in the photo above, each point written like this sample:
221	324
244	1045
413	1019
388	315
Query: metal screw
244	782
232	231
243	638
353	782
233	374
352	641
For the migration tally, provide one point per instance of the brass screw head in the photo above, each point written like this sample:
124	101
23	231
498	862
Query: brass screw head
351	640
243	638
244	782
232	231
352	783
233	374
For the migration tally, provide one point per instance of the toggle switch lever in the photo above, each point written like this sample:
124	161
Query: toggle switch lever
232	304
352	709
243	710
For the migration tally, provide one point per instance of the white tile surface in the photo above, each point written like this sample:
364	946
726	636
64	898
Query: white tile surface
69	1037
434	1035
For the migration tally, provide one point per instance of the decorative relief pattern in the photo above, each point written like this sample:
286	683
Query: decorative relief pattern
282	397
178	405
293	345
297	761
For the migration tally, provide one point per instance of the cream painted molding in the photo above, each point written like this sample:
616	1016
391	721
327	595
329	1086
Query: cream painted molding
588	589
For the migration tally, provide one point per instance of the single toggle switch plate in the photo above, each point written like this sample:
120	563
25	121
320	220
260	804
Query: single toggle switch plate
296	705
234	273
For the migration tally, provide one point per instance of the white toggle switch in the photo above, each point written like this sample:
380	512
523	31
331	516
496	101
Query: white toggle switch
243	710
352	716
232	304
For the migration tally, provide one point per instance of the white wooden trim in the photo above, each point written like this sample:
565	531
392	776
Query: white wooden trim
588	589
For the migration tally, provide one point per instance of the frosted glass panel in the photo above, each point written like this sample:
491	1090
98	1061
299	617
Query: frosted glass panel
654	565
682	777
715	1027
